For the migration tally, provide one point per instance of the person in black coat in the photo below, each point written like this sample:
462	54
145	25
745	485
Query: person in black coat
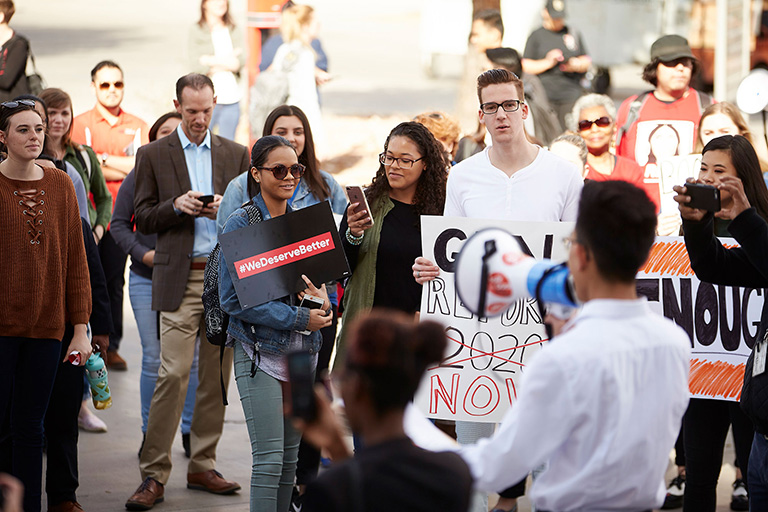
730	164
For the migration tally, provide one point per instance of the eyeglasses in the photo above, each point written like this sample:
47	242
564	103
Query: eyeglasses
602	122
15	104
492	107
568	242
403	163
106	85
280	171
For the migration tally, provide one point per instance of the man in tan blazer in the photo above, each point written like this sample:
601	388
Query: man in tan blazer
171	175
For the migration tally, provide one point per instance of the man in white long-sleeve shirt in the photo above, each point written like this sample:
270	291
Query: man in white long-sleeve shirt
602	404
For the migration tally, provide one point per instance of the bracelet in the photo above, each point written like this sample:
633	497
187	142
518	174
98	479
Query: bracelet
354	240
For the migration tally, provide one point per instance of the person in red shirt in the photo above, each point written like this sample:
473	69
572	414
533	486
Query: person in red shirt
114	135
593	118
657	125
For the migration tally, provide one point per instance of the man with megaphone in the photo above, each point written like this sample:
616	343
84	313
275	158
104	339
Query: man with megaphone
605	400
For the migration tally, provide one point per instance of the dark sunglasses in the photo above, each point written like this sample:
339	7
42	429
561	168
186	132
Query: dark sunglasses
15	104
280	171
601	122
106	85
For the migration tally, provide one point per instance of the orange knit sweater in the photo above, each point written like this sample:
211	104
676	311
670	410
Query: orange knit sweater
43	268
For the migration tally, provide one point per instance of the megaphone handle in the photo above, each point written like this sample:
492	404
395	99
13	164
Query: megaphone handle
765	130
539	302
490	250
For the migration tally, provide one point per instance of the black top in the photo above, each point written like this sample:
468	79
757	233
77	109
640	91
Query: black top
560	86
399	246
132	242
745	266
13	64
393	476
101	314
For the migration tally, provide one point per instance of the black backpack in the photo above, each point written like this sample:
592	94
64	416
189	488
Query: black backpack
216	320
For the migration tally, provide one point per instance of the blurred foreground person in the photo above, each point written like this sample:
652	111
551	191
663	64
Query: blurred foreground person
386	358
606	400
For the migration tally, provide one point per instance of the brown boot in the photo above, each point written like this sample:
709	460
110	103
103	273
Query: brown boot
149	492
115	362
211	481
66	506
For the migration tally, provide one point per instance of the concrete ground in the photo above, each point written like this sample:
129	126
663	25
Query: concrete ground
378	82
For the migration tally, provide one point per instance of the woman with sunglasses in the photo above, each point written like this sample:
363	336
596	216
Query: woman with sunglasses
46	283
263	334
593	117
382	244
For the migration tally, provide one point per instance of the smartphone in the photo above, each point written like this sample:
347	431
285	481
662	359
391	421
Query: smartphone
310	302
205	200
300	375
356	195
703	197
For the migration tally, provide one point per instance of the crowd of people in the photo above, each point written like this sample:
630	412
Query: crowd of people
82	193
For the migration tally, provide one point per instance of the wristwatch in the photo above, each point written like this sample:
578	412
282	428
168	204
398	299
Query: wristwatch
104	157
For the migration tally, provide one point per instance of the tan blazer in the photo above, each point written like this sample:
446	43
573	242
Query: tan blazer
161	177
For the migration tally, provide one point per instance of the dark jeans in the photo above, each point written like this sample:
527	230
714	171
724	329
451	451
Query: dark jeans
61	434
113	261
758	474
27	371
515	491
309	456
706	427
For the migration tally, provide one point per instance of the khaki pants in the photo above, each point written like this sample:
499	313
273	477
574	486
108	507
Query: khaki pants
178	332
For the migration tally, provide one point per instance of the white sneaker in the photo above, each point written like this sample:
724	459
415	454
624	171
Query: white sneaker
89	422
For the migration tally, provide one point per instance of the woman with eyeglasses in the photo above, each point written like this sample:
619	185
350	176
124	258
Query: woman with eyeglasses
593	117
45	283
263	334
382	244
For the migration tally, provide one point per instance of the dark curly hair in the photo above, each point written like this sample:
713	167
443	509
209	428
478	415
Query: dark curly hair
430	190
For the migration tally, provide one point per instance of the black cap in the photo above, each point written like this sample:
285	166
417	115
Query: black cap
556	9
670	47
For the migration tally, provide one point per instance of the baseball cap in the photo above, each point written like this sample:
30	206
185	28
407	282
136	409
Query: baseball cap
670	47
556	9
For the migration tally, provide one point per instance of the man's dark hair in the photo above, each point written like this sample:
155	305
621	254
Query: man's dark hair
104	64
617	224
506	58
650	70
492	18
194	80
499	76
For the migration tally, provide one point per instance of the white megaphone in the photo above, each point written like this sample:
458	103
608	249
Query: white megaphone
492	273
752	94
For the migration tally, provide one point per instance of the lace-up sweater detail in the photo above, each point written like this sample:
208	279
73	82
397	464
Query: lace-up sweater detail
44	269
32	202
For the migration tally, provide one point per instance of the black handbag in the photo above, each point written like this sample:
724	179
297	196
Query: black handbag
35	81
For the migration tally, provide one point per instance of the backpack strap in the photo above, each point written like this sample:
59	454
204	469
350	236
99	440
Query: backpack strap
632	116
705	100
85	159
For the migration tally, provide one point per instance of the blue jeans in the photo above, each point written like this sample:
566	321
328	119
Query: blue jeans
226	118
274	441
140	291
758	474
27	372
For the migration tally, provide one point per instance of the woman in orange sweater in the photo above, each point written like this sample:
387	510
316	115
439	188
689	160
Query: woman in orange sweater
45	283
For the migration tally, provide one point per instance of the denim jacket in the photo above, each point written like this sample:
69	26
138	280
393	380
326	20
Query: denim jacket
266	326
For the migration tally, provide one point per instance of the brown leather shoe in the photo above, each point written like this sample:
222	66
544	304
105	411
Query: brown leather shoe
146	496
211	481
66	506
115	362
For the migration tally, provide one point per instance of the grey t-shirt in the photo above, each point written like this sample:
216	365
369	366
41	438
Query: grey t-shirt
560	86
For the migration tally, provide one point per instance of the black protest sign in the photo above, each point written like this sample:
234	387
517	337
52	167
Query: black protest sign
266	260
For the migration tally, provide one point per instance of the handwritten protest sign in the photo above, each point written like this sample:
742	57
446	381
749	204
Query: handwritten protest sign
480	375
721	321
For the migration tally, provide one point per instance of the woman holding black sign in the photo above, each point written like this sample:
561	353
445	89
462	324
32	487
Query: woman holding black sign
262	335
382	244
730	164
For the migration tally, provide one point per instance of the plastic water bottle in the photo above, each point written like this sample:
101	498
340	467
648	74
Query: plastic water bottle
96	372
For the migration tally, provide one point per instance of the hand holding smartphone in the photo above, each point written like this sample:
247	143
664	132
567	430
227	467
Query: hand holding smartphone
356	195
311	302
206	200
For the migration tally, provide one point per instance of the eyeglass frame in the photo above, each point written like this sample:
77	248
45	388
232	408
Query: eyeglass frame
105	86
400	161
594	121
288	169
520	103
